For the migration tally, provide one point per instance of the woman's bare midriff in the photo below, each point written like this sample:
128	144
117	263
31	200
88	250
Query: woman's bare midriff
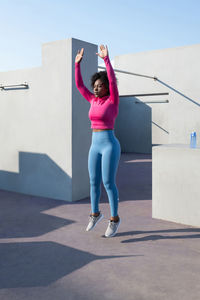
101	129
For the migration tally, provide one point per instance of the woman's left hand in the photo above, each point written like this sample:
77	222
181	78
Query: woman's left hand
103	51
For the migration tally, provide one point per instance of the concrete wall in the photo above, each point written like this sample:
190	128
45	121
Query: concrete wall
81	127
178	71
176	193
133	126
45	132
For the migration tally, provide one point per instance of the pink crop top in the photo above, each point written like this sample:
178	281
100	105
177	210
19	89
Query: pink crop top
103	111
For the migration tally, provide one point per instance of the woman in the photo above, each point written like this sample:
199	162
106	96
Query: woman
105	149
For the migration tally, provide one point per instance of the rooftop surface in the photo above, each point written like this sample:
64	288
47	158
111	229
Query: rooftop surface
45	252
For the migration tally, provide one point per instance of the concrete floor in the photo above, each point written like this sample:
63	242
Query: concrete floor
45	252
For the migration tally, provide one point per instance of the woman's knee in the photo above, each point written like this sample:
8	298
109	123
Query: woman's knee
95	183
109	185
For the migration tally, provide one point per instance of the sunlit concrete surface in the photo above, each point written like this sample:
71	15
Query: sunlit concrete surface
175	184
45	252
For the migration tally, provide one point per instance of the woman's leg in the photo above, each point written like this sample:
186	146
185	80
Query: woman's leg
110	160
94	168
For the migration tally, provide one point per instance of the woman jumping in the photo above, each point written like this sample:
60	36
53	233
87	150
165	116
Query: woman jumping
104	153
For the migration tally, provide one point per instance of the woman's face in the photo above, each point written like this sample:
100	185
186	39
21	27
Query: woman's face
100	89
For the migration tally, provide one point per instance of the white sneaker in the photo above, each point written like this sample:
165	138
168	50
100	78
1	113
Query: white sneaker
112	228
93	221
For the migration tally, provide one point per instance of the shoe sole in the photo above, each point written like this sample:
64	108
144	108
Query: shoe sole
95	223
108	236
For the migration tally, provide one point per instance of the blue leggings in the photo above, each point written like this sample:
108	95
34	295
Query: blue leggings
103	161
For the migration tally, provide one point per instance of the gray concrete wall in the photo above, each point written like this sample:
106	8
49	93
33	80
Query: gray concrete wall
178	70
81	127
133	126
44	128
176	193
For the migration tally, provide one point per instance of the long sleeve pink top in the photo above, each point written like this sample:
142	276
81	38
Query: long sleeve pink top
103	111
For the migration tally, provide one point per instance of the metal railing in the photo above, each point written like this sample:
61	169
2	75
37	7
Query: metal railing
130	73
146	95
141	95
14	86
141	102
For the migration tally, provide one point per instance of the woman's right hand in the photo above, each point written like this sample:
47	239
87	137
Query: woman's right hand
79	56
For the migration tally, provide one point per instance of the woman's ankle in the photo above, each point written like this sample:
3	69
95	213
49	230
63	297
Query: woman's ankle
115	219
95	214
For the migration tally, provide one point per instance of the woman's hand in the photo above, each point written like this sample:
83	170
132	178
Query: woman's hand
79	56
103	51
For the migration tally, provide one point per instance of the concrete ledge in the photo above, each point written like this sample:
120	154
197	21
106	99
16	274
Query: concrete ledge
176	184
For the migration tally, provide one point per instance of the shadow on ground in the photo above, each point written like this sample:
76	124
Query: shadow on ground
40	263
155	236
23	216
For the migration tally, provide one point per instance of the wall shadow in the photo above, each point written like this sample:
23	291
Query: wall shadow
22	215
40	263
134	178
133	125
38	175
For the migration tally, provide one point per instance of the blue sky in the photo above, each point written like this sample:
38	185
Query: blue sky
125	26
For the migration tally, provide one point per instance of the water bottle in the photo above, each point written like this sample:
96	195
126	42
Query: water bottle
193	140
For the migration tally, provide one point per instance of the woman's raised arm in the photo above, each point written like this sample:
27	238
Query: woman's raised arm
78	77
114	95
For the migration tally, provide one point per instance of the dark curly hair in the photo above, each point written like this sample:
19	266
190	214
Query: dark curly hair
102	75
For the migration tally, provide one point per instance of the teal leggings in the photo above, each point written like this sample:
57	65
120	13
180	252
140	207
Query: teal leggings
103	162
